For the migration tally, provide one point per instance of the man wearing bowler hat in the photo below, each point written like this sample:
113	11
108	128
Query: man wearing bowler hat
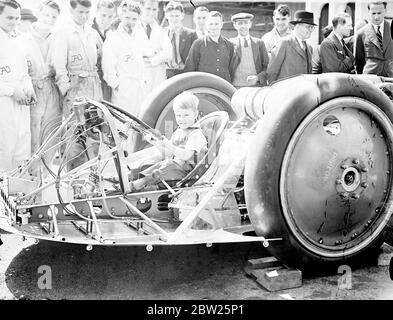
292	55
251	55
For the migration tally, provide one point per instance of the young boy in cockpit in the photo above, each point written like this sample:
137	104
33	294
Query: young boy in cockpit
182	151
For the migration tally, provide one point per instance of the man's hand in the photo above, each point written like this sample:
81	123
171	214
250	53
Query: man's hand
31	97
252	80
20	96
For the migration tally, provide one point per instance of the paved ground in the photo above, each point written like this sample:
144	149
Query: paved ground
187	272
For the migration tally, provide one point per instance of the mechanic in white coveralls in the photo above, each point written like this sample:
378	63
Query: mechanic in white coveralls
75	57
75	54
16	91
123	62
156	46
45	115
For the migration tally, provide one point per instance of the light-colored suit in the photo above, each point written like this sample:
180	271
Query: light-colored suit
333	56
369	57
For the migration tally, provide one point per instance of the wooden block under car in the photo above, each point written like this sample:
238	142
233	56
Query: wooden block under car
275	279
261	263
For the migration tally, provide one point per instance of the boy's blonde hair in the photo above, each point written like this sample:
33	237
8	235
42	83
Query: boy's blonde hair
186	100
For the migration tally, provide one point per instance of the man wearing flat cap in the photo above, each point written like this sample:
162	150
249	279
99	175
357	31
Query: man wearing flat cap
292	55
251	57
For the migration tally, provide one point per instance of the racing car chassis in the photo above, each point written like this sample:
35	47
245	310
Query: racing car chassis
303	166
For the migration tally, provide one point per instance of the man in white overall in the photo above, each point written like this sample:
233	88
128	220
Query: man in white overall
16	91
75	57
122	60
156	46
46	114
76	48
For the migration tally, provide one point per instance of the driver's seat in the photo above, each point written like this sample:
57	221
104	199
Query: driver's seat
212	125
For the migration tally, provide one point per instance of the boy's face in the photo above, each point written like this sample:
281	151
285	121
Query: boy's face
185	118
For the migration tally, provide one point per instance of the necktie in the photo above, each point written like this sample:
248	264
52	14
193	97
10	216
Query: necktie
148	30
174	49
346	50
245	43
306	51
379	36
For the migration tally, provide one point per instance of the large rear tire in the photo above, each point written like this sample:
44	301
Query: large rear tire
318	173
214	94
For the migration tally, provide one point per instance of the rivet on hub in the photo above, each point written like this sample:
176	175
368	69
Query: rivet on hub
364	169
344	166
354	235
338	181
377	210
364	185
344	194
355	161
355	196
338	242
388	172
320	241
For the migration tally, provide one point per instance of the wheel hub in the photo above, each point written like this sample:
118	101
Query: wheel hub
335	178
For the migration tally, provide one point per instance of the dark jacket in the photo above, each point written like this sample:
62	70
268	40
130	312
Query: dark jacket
208	56
333	57
186	39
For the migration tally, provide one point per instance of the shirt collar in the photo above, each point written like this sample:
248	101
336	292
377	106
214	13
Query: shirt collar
3	34
338	36
283	35
248	38
211	39
381	27
77	28
300	41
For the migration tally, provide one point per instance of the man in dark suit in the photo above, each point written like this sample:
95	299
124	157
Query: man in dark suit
292	55
181	38
251	55
374	45
335	55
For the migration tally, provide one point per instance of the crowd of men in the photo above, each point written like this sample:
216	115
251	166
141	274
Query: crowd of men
126	53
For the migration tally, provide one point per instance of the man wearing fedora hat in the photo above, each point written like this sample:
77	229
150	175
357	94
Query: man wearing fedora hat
251	57
292	55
